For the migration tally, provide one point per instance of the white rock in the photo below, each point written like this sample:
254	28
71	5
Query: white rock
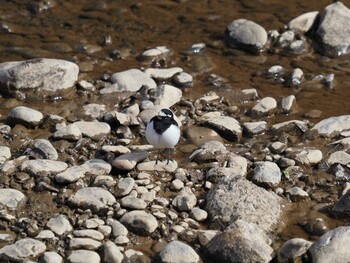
84	256
45	149
255	127
340	157
93	129
132	80
59	225
23	250
97	167
111	253
304	22
84	243
41	167
332	126
177	251
183	79
264	107
24	115
167	96
310	156
128	161
70	132
71	175
89	233
5	154
185	200
140	222
287	103
267	173
163	73
292	249
51	257
11	198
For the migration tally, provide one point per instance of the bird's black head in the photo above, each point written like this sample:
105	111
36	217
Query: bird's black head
166	113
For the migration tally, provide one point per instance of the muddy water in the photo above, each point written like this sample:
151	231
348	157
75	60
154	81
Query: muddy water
104	37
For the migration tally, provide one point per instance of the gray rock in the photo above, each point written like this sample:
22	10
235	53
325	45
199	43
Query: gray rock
338	157
84	256
111	253
292	250
154	52
332	246
124	186
289	126
247	35
288	103
84	243
11	198
309	156
267	173
211	150
204	236
177	251
304	22
332	126
233	199
45	149
85	85
278	147
295	77
71	132
198	214
254	128
43	167
161	166
23	250
333	31
94	111
89	233
296	193
59	225
50	75
93	129
71	175
132	80
227	127
140	222
24	115
183	79
342	206
163	73
167	96
5	153
135	256
132	202
266	106
97	167
286	38
118	229
94	198
51	257
45	234
128	161
176	185
185	200
240	242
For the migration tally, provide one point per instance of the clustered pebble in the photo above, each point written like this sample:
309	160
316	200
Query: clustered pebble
107	201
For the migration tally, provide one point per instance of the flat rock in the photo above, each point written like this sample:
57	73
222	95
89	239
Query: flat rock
163	73
304	22
84	256
94	198
94	111
11	198
167	96
71	175
267	173
183	79
232	199
132	80
340	157
45	149
128	161
132	202
185	200
71	132
292	250
59	225
332	126
93	129
111	253
23	250
264	107
247	35
332	246
161	166
41	167
140	222
289	126
50	75
24	115
254	128
177	251
97	167
84	243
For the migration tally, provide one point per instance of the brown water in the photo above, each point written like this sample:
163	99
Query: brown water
86	32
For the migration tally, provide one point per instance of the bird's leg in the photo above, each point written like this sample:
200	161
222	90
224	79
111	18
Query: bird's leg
158	156
169	152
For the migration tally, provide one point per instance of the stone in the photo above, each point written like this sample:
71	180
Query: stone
310	156
45	234
132	202
124	186
332	33
84	256
240	242
111	253
128	161
89	233
94	129
167	96
304	22
23	115
209	151
97	167
198	214
11	198
117	149
183	79
41	167
94	198
288	103
71	175
278	147
84	243
161	166
45	149
94	111
163	73
23	250
232	199
59	225
132	80
51	257
254	128
292	250
332	246
295	78
227	127
342	206
247	35
154	52
267	173
332	126
177	251
140	222
118	229
135	256
50	75
289	126
70	132
338	157
266	106
85	85
296	194
176	185
185	200
5	153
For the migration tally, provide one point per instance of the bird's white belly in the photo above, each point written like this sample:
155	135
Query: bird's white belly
167	139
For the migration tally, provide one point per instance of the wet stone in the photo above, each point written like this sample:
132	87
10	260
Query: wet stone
59	225
292	250
264	107
94	129
11	198
287	103
45	149
304	22
295	77
185	200
111	253
254	128
177	251
267	173
84	256
85	85
183	79
140	222
132	80
285	38
23	250
71	132
133	203
24	115
154	52
43	167
5	154
163	73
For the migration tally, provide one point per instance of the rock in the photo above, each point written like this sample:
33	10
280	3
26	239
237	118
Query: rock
97	167
227	127
71	132
93	129
45	149
51	257
124	186
117	149
128	161
232	199
71	175
204	236
23	115
94	198
292	250
43	167
310	156
177	251
94	111
338	157
45	234
295	77
185	200
198	135
85	85
304	22
286	38
5	153
332	126
342	206
84	243
111	253
254	128
296	194
135	256
167	96
288	103
89	233
264	107
154	52
140	222
132	202
289	126
198	214
209	151
332	32
59	225
267	173
161	166
240	242
278	147
163	73
132	80
50	75
84	256
118	229
176	185
23	250
332	246
183	80
247	35
11	198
